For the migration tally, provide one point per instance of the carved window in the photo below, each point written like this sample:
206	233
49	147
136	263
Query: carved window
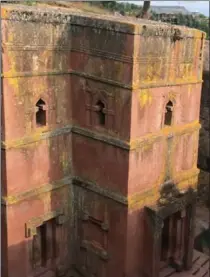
101	113
40	113
168	114
100	108
44	244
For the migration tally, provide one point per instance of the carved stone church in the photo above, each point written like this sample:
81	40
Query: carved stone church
100	127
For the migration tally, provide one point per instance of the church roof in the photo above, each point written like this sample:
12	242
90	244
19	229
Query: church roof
169	10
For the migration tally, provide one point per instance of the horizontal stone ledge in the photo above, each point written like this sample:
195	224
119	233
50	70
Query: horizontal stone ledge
131	87
35	137
14	199
101	137
105	192
137	143
132	201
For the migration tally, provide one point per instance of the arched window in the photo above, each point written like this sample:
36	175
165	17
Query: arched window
40	113
100	110
168	114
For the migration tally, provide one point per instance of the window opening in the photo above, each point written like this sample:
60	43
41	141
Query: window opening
41	113
44	244
100	110
168	114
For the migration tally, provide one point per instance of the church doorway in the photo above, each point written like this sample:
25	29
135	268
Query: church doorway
173	242
169	236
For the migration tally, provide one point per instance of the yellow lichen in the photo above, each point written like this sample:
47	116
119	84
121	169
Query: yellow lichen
183	179
176	130
145	97
149	197
4	12
64	161
11	74
26	141
189	183
38	192
172	95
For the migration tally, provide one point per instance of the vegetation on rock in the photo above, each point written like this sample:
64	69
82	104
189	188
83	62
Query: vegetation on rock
200	21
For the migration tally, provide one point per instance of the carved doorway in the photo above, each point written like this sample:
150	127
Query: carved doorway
173	240
170	235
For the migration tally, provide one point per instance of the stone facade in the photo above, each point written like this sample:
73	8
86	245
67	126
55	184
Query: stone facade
98	114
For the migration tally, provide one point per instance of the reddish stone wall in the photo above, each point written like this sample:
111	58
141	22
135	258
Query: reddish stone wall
102	71
170	71
94	179
38	160
19	246
84	95
100	228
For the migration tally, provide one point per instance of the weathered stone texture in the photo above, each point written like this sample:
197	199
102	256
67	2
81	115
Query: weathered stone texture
85	93
94	178
110	170
95	227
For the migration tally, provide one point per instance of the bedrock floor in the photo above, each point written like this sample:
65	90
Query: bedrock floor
201	268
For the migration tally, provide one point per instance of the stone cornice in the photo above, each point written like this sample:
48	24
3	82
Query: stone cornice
101	137
134	201
100	79
189	178
167	132
13	199
35	137
125	145
116	196
77	181
121	24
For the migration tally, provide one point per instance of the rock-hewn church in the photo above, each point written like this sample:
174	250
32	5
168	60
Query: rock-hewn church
100	125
